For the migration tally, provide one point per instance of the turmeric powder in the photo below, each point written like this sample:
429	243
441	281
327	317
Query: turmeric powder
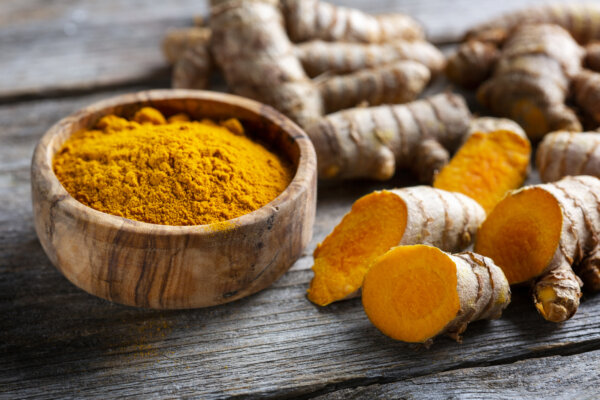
172	173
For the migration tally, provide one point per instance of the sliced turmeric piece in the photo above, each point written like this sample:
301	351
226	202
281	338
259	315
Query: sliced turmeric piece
521	234
414	293
538	233
381	220
487	166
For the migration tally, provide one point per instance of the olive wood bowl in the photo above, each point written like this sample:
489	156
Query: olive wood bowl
171	267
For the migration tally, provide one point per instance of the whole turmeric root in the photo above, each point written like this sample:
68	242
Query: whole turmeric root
532	77
398	82
319	57
539	233
562	154
487	166
592	56
414	293
535	55
586	87
373	142
314	19
269	72
582	21
472	63
250	42
382	220
187	49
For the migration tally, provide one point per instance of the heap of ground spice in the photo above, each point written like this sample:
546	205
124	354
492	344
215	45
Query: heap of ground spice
175	172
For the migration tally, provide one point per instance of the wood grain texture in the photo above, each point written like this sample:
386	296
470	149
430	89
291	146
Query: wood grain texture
568	377
159	266
58	341
79	46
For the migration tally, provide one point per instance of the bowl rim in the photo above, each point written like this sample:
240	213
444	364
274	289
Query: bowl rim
42	159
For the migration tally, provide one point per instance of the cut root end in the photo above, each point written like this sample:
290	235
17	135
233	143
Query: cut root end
375	224
522	233
487	166
410	293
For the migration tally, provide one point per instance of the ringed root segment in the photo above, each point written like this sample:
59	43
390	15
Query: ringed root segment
382	220
314	19
581	20
472	63
398	82
414	293
562	154
188	51
586	88
373	142
320	57
544	234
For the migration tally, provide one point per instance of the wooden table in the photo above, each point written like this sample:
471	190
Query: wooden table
57	341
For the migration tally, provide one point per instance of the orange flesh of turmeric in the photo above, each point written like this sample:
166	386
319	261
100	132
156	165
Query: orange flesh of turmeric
486	167
410	293
375	223
522	234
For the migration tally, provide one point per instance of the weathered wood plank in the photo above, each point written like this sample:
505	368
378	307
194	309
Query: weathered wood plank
558	377
64	46
57	341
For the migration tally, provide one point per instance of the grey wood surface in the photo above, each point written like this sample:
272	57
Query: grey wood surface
537	378
58	341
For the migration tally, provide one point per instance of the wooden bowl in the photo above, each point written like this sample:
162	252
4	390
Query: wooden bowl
169	267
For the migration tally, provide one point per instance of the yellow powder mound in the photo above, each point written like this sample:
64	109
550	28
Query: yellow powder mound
176	173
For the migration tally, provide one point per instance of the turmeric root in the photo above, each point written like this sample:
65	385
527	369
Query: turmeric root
562	154
373	142
531	79
539	233
487	167
414	293
381	220
314	19
586	87
176	41
535	67
249	43
265	67
582	21
319	57
472	63
399	82
187	49
251	46
592	56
